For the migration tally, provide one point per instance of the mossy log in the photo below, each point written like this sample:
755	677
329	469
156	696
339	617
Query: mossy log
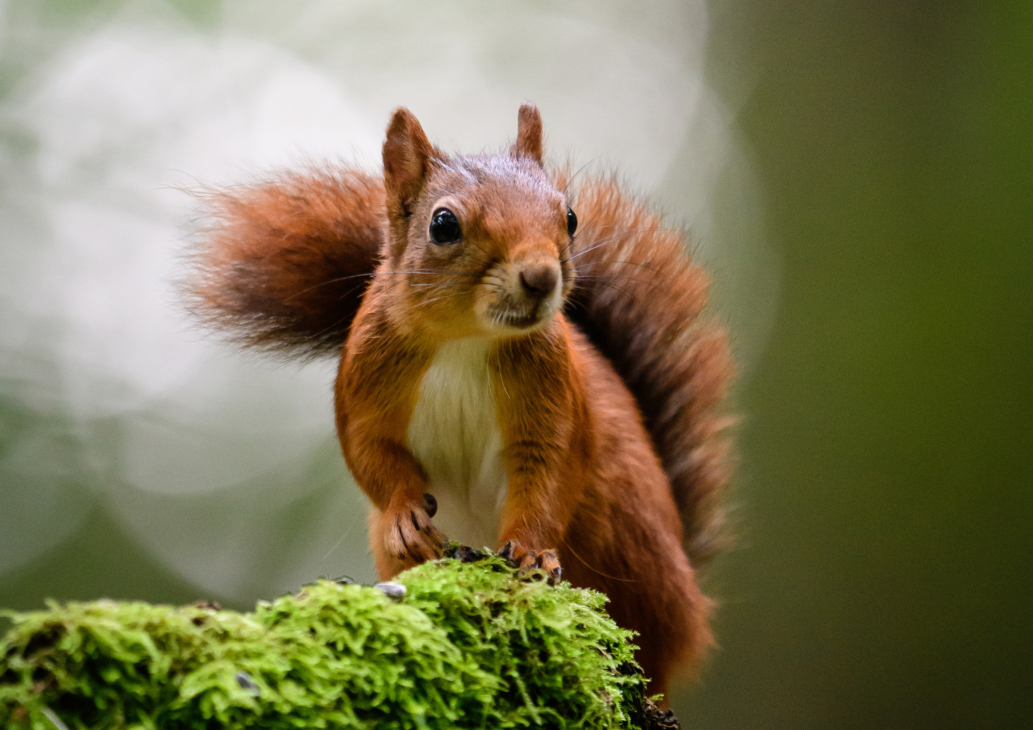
469	645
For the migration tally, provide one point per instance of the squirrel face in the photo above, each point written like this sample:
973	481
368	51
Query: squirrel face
479	245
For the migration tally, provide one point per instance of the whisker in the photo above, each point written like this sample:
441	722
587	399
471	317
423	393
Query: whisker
611	277
574	175
408	272
426	272
438	283
329	328
432	300
589	265
325	283
593	248
614	287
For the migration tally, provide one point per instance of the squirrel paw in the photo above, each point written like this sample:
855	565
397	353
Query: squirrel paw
411	536
529	560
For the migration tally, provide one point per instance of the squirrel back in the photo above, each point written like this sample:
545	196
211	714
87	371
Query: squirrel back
284	264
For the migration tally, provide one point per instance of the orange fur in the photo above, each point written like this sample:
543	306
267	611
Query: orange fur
285	263
601	384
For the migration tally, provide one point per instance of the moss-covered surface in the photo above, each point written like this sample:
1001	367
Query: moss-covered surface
471	645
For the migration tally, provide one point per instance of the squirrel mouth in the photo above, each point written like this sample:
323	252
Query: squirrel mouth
520	320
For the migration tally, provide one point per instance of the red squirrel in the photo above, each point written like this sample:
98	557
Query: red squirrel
518	368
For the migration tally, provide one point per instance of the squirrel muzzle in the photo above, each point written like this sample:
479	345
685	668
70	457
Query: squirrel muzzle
524	294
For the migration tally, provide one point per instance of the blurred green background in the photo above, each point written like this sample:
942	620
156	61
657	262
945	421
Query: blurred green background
887	448
858	175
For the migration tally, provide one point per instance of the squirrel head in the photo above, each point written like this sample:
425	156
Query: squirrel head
477	245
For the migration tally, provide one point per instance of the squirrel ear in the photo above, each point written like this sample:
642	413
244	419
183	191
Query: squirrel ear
529	133
407	155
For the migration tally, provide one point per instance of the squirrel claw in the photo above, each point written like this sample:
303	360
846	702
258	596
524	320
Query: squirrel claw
531	560
430	504
507	551
549	561
412	537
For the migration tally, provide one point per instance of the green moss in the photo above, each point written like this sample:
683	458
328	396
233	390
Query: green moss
471	645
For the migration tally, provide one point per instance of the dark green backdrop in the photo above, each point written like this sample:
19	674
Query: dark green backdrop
883	579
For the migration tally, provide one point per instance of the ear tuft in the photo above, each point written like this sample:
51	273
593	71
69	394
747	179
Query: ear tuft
407	155
529	133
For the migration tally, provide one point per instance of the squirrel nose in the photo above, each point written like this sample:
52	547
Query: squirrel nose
539	280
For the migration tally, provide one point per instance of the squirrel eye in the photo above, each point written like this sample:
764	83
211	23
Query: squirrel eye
571	222
444	227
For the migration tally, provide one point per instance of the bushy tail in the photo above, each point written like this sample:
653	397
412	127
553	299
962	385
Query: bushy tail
284	264
639	298
281	266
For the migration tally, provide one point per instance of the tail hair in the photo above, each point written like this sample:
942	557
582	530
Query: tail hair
283	265
639	298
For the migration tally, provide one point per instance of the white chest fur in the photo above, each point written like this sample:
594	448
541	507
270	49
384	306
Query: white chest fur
454	434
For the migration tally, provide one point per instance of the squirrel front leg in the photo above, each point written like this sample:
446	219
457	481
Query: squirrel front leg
545	429
402	533
376	392
531	525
